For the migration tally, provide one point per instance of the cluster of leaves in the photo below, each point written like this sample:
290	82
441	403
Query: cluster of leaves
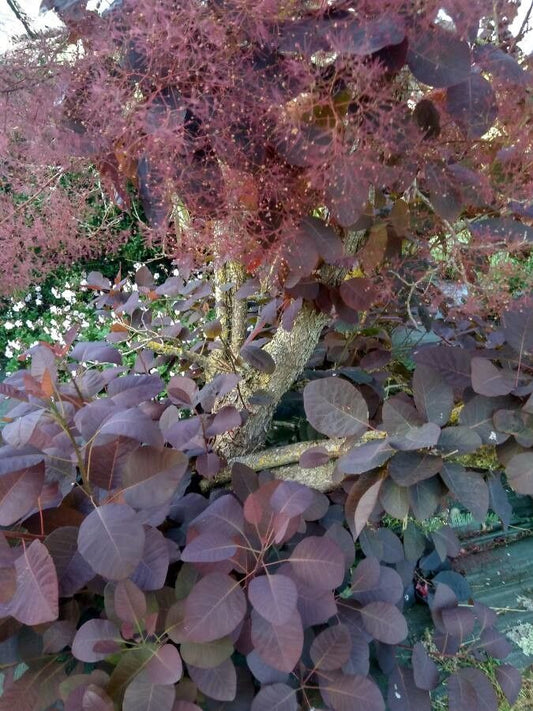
112	558
255	115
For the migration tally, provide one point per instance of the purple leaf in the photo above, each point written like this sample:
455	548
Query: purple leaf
489	380
417	437
453	364
224	515
458	622
96	699
227	418
274	597
366	575
152	569
135	424
19	492
206	655
365	506
36	598
468	487
470	689
472	104
384	622
382	543
343	692
432	395
326	241
335	407
182	390
359	293
96	351
263	672
291	498
331	648
346	189
58	636
477	414
111	539
518	330
492	643
258	359
209	547
214	608
152	475
424	498
186	434
73	571
500	64
275	697
142	695
130	390
426	672
280	646
510	681
93	632
218	683
365	457
129	602
407	468
519	472
438	58
165	666
314	457
394	499
318	562
458	439
8	583
388	588
404	695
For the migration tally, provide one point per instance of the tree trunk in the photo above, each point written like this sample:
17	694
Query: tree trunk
290	351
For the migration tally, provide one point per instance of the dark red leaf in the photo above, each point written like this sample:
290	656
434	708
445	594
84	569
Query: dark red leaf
291	498
335	407
151	476
95	351
129	390
365	457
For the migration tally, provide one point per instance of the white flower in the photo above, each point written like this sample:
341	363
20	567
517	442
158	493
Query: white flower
18	323
55	292
54	309
8	325
69	295
38	301
27	298
29	323
175	272
18	306
8	353
37	288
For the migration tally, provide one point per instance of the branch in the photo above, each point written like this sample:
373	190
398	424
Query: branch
22	18
165	349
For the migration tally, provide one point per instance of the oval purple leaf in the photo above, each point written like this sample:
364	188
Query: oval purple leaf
335	407
91	633
111	539
214	608
274	597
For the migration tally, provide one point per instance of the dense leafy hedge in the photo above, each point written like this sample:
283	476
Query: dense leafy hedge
141	582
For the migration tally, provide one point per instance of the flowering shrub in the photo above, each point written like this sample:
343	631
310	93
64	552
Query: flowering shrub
257	597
